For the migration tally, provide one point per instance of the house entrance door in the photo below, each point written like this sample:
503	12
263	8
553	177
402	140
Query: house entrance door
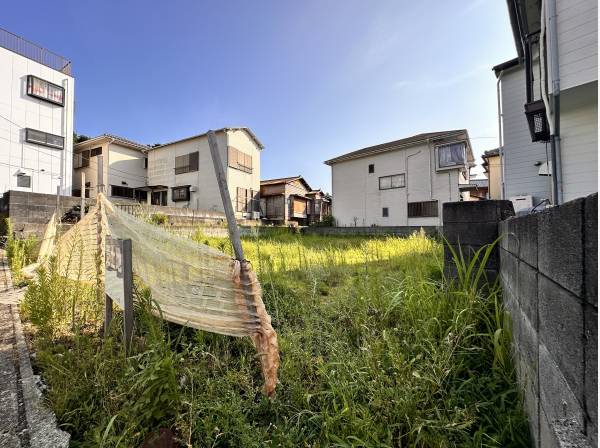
159	198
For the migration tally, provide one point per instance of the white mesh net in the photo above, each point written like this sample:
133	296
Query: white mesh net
194	285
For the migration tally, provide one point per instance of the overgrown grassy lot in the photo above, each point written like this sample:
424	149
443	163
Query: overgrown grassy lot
376	351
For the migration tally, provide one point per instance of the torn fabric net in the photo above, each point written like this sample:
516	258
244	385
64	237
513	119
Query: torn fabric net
194	285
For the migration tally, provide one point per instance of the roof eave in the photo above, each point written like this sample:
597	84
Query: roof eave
379	150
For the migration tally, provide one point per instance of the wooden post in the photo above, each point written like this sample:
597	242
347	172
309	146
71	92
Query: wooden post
82	211
127	261
108	313
234	233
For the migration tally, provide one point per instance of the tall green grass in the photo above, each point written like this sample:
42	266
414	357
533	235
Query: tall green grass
377	349
19	252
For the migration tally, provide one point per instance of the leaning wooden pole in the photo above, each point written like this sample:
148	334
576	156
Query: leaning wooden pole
264	338
234	233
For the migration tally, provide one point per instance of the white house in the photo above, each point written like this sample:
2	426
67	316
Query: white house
401	183
182	174
36	118
124	167
548	104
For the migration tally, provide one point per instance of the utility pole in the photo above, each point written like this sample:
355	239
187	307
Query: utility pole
234	233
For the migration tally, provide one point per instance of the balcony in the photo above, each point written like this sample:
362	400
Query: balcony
27	49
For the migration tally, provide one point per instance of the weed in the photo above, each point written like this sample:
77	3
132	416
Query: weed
377	350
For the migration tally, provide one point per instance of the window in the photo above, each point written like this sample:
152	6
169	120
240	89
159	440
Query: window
44	139
81	159
451	155
371	168
245	200
179	194
145	163
23	181
187	163
389	182
239	160
385	212
426	209
45	90
122	192
96	152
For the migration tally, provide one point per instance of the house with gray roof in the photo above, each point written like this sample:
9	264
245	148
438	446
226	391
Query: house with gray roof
403	182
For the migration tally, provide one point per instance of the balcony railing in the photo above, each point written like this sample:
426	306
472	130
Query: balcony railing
34	52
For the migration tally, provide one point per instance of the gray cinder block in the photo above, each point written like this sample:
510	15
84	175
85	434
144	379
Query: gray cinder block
591	367
527	290
558	400
591	249
560	245
473	234
561	331
508	269
527	230
477	211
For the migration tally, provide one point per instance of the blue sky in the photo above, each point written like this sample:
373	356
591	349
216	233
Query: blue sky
313	79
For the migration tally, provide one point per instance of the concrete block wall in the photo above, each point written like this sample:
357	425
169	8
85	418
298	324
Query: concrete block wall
468	226
549	271
30	212
373	231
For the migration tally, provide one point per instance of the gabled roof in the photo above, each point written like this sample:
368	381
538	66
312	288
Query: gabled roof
285	180
404	142
491	153
246	130
114	138
486	154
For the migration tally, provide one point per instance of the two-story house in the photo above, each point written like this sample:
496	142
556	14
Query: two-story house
548	102
401	183
289	200
124	168
182	174
36	118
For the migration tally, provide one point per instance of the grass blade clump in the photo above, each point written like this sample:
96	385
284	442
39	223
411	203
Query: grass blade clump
378	349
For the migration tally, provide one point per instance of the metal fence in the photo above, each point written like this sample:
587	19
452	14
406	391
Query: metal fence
34	52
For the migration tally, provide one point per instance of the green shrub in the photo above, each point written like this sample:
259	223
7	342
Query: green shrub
19	252
160	219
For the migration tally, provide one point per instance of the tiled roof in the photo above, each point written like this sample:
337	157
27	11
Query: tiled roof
247	130
117	139
390	146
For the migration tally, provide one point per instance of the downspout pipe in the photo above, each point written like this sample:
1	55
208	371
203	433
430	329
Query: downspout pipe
500	136
552	104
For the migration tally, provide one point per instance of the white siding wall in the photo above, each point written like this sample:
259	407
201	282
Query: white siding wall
577	26
125	165
579	141
91	171
520	153
161	170
235	178
357	199
19	111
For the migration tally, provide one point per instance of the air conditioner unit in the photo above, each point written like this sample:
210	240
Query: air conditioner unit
255	215
245	215
524	202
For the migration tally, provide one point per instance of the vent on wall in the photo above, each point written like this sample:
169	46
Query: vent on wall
537	121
